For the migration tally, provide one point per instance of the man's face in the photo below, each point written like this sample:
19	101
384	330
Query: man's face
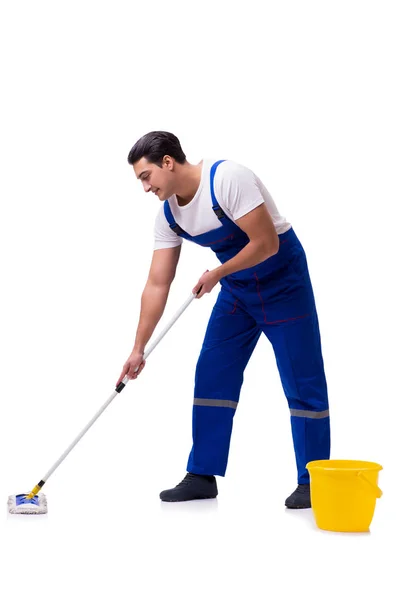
159	180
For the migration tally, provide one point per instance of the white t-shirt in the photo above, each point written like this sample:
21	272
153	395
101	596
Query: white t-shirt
238	191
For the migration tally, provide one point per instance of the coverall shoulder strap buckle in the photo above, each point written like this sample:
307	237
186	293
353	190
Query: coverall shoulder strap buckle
219	212
171	221
177	229
216	207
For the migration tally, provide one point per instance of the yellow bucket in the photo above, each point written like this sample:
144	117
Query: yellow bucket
344	493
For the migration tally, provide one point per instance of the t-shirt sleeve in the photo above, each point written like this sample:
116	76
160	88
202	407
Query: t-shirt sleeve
237	189
164	237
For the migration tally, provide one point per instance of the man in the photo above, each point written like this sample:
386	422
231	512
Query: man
265	288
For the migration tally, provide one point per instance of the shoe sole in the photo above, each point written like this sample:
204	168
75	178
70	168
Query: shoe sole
188	499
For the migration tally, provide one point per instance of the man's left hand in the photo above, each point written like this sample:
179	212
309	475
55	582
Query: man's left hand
206	282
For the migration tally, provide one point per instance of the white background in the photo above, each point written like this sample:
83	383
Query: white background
304	93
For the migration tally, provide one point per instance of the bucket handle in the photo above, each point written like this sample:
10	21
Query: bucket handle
377	490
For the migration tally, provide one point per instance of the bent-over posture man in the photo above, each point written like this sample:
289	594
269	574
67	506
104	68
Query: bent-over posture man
265	288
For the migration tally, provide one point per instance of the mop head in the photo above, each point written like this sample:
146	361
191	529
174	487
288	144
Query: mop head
20	505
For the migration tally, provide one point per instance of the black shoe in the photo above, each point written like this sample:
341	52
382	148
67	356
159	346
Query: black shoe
300	498
192	487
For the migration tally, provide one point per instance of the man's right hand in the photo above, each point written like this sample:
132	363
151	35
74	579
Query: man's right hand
133	366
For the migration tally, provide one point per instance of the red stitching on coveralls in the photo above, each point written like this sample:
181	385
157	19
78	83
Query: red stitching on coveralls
228	237
262	301
265	316
235	305
290	319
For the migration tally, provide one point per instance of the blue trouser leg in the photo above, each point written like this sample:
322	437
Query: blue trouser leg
299	359
283	304
291	325
230	339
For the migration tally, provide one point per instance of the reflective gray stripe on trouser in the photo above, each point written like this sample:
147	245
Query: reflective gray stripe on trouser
207	402
311	414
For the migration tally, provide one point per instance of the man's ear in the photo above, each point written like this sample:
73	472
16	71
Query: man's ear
168	162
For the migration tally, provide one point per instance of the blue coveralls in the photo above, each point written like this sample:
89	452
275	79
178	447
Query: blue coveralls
274	297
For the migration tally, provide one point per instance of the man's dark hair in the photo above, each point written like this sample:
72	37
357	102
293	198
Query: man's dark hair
154	146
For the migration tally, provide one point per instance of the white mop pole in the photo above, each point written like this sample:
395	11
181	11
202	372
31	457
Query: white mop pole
111	398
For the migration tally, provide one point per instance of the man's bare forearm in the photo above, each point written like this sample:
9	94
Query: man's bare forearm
154	299
252	254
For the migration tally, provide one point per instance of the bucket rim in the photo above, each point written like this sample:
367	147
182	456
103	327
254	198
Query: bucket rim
343	465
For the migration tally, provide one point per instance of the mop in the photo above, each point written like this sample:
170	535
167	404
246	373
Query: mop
35	503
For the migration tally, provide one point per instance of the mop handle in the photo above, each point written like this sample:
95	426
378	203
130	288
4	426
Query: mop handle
150	349
118	389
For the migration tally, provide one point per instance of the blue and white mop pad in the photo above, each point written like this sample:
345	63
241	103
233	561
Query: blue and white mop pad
21	505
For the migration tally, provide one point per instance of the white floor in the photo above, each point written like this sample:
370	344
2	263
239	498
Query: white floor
121	541
138	547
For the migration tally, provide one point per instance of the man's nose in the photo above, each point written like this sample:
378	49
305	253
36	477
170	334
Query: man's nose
147	186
